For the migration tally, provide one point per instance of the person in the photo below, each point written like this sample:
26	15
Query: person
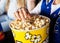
5	18
38	9
4	21
50	9
9	7
2	4
47	9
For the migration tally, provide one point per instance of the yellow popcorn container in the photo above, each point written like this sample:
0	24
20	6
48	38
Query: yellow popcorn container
40	35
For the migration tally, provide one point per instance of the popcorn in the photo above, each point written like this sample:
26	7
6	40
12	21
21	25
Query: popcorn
35	22
36	27
39	38
18	41
47	20
40	25
37	19
27	28
42	22
36	39
33	38
33	27
28	36
12	25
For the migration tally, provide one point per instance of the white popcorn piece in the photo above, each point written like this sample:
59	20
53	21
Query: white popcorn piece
39	38
28	23
23	25
37	22
33	27
42	22
33	38
36	27
47	20
37	19
28	36
40	25
17	27
19	23
36	39
18	42
26	28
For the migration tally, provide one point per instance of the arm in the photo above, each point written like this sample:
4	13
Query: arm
12	9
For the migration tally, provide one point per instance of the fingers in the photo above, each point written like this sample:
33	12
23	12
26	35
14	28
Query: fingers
17	16
26	13
22	14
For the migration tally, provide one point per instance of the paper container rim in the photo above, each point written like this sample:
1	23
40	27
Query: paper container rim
33	29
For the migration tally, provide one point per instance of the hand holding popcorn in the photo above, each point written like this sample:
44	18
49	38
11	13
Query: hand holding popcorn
22	14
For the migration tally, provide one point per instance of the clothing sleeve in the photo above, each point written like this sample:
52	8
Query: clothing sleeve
12	9
2	6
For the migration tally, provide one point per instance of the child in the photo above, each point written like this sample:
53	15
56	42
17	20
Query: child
50	9
4	20
2	4
8	6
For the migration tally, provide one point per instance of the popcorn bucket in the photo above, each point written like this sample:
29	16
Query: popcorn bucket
40	35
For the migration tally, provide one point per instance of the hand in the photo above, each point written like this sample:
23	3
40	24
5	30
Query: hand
22	14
